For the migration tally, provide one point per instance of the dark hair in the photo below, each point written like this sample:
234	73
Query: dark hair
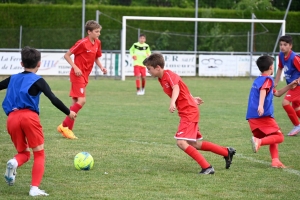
286	38
30	57
154	60
142	35
92	25
264	62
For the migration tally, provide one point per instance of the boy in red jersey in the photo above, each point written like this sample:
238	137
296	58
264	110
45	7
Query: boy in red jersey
260	112
86	52
21	105
289	61
188	134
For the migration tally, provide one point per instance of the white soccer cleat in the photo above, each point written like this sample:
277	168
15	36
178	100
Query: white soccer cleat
294	131
139	92
11	171
35	191
143	91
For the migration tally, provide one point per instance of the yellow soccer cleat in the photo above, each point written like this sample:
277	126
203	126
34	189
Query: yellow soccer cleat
66	132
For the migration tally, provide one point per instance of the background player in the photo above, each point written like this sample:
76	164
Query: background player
86	51
289	61
188	134
21	105
260	112
139	51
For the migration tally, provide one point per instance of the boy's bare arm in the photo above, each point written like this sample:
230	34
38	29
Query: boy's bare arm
292	85
175	94
68	58
103	69
262	97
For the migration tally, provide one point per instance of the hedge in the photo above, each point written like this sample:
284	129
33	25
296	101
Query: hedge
59	26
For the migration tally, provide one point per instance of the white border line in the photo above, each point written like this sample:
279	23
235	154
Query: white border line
289	170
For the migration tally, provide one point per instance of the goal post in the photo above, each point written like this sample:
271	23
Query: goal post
125	18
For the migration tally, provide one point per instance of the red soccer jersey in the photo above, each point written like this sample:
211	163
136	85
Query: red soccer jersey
185	103
296	61
85	54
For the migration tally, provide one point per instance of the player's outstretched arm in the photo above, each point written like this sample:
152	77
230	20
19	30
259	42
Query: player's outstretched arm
99	64
292	85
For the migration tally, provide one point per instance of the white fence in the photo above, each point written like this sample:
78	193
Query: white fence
183	65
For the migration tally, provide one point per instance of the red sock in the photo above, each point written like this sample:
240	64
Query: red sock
38	167
137	83
208	146
69	122
197	156
22	157
143	82
292	114
274	151
274	138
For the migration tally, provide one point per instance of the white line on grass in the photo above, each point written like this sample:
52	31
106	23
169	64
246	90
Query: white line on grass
289	170
292	171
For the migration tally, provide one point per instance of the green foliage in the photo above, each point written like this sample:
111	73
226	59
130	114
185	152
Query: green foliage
254	5
59	27
162	42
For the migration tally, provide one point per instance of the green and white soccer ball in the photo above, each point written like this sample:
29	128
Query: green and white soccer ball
83	161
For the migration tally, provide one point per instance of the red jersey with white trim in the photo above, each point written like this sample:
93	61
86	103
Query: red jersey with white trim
185	103
296	61
85	54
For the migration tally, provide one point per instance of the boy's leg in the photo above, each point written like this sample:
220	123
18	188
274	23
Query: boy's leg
275	157
38	170
77	105
77	93
14	128
136	72
261	139
196	155
292	96
188	133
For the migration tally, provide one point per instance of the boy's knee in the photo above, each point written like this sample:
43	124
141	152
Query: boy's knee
182	144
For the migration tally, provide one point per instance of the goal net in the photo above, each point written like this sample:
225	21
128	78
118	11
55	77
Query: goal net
188	47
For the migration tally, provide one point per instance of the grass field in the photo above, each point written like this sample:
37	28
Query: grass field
136	157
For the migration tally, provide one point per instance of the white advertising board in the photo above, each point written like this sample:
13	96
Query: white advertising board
183	65
51	64
227	65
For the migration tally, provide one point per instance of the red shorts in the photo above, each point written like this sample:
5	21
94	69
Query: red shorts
25	129
188	131
139	71
266	125
77	89
293	96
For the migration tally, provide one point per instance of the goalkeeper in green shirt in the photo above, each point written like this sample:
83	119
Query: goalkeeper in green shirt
139	52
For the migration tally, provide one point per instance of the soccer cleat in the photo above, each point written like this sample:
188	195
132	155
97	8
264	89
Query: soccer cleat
209	170
66	132
11	171
277	164
139	92
228	159
255	144
35	191
294	131
143	91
